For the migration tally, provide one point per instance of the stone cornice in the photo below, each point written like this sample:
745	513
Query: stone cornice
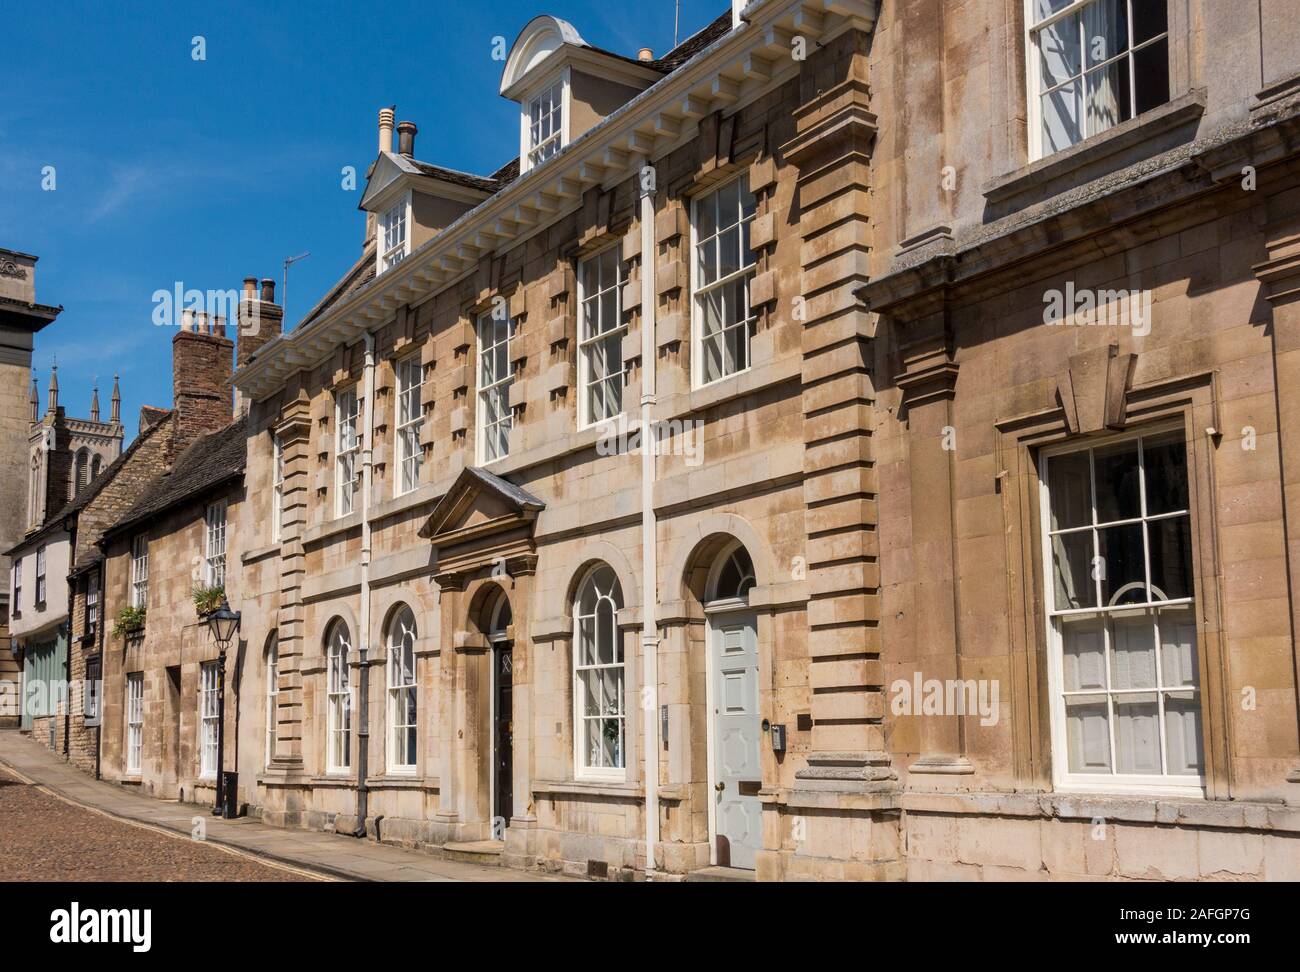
735	69
1175	196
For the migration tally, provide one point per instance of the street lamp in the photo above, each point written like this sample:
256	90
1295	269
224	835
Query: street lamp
223	623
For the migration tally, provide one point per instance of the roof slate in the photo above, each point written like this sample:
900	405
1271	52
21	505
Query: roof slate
211	461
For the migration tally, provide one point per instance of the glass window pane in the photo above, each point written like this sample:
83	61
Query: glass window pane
1137	734
1069	488
1150	19
1084	653
605	632
1170	542
1045	8
1178	648
708	261
729	205
1061	118
1118	483
1072	567
1059	51
1087	734
1122	565
1151	75
1165	459
1183	734
729	252
1133	652
1107	98
1105	30
706	212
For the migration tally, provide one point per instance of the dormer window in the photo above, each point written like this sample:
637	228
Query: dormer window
393	236
545	124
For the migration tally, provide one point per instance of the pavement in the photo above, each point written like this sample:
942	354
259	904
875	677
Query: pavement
307	855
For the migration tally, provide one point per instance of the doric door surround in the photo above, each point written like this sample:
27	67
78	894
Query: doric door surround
482	532
848	783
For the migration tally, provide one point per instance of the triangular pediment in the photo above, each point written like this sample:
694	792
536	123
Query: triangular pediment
479	504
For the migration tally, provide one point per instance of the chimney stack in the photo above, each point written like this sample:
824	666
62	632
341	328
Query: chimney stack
385	129
261	320
406	139
201	365
645	54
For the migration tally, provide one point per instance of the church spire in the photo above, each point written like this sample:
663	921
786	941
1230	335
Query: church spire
115	416
94	402
35	400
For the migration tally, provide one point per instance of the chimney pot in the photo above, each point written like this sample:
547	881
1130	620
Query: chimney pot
385	129
268	290
645	54
250	288
187	320
406	138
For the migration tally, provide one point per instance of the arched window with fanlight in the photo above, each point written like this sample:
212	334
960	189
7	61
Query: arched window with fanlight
401	692
732	577
338	746
599	720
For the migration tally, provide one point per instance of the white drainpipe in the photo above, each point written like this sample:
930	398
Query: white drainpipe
363	636
649	558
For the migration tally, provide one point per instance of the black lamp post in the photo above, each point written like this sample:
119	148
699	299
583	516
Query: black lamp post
223	623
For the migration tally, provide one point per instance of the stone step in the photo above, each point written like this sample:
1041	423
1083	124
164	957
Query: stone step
716	874
474	851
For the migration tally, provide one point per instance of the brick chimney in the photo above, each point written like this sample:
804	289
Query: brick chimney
261	320
201	367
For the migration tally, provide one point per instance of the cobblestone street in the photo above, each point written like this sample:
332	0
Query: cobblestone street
44	838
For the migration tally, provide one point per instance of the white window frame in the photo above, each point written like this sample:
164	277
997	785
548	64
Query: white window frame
277	489
560	138
1184	785
347	451
410	419
497	386
214	544
209	718
390	251
18	587
134	721
41	591
1033	71
583	767
338	740
403	751
92	602
700	291
588	343
140	570
272	696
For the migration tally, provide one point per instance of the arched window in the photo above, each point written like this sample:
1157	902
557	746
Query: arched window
83	467
272	693
401	692
732	577
599	723
339	742
500	619
96	463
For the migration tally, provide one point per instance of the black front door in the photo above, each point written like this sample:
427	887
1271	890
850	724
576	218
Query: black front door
502	735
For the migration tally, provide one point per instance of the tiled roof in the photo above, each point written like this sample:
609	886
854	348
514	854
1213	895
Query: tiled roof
358	275
456	177
91	490
210	462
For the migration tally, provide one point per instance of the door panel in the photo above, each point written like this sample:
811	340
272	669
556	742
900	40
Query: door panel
503	732
737	770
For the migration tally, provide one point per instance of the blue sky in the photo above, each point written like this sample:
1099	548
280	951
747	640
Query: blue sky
174	170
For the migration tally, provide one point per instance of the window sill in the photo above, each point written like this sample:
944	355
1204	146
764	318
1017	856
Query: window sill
1095	156
261	553
589	788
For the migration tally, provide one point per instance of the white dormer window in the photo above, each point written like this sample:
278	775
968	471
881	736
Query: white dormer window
392	236
545	122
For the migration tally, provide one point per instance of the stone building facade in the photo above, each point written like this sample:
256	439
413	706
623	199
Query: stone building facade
962	549
21	318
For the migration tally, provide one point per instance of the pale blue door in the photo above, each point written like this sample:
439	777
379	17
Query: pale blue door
737	771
